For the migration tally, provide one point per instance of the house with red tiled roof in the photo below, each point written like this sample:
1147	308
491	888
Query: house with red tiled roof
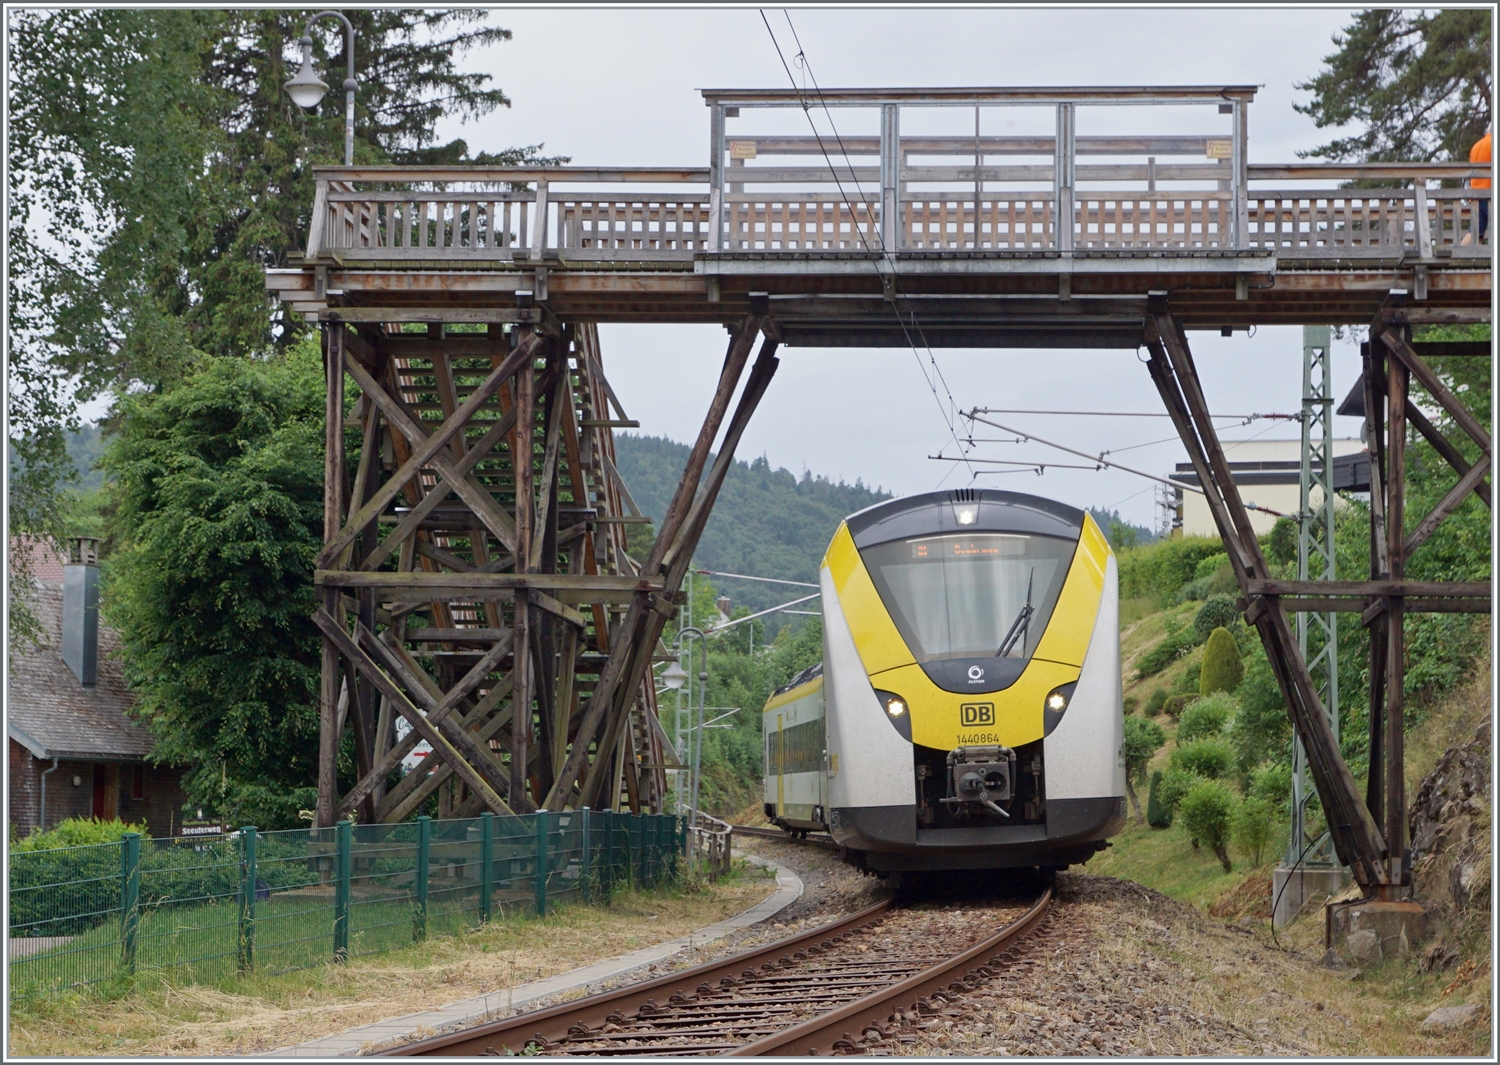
74	749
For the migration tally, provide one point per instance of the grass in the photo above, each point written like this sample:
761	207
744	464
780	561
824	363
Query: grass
1379	1009
1165	859
161	1013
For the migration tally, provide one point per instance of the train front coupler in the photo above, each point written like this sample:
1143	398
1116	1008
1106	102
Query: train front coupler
979	780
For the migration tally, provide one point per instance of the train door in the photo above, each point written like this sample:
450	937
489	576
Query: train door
780	763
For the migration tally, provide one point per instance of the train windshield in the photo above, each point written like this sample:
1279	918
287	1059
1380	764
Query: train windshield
970	595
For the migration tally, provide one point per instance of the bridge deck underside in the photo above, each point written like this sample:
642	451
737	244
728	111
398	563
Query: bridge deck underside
1025	300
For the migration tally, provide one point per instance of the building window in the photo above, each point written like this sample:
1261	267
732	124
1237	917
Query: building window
138	783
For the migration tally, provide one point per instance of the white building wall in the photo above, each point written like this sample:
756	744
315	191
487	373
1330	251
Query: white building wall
1198	520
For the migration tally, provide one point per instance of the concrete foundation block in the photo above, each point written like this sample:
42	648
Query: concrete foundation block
1295	891
1367	931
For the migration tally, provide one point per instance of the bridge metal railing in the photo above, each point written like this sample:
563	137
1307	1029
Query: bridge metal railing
966	171
83	918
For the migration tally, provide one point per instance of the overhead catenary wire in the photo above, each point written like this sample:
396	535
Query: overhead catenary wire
760	614
1103	462
948	412
1247	418
747	577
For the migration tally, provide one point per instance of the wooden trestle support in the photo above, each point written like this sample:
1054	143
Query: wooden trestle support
1368	832
490	603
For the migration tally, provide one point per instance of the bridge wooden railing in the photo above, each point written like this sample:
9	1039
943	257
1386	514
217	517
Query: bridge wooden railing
483	213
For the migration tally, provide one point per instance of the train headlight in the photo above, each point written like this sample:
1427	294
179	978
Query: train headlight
1055	705
897	712
967	514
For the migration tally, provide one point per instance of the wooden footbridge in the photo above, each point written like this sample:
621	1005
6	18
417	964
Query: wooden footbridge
477	588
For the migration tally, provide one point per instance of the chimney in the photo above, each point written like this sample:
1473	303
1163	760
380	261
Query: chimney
723	603
80	630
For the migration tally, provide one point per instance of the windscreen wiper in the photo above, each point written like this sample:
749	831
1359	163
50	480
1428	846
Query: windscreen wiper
1022	624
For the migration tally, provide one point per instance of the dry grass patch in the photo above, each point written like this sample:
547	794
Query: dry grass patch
259	1013
1129	971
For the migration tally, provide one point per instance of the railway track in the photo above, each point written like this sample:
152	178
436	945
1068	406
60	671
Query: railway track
815	839
841	988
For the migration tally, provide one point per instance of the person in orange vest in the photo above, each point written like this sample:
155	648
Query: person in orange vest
1480	153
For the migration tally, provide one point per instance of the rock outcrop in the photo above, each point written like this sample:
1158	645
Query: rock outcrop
1450	840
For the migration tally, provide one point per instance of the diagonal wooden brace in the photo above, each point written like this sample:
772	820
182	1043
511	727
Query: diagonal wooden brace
392	759
424	450
406	796
1447	505
403	706
1355	835
425	693
467	486
1399	348
620	644
685	543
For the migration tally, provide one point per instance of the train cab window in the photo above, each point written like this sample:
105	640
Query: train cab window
970	595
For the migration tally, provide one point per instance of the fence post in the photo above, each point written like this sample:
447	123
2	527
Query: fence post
424	848
585	864
486	864
247	900
541	863
607	857
342	839
130	897
633	849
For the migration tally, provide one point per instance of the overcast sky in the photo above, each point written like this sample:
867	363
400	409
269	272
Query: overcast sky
620	87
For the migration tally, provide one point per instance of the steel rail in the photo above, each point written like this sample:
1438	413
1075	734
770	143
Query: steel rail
831	1031
552	1024
826	842
819	1034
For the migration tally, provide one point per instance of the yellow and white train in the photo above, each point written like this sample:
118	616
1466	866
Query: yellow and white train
967	711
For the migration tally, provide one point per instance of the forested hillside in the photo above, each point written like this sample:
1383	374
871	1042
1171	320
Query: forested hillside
766	522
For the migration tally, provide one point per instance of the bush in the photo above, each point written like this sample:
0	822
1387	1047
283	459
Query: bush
1194	590
1206	718
1207	812
1273	784
1174	705
1252	827
1158	813
76	832
1131	705
1217	611
1169	650
1155	700
1175	783
1222	669
1163	567
1143	738
1262	729
1206	758
1187	684
1281	544
1207	567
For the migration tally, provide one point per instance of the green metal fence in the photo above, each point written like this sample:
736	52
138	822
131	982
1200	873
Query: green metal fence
81	917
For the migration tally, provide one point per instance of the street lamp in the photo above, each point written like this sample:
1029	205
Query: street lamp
306	89
674	676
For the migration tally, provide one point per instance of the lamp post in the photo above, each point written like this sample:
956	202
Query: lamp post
306	89
674	676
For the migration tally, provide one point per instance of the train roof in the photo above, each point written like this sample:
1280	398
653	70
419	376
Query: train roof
811	673
998	511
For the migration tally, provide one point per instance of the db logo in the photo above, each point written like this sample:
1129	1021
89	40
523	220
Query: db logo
972	714
976	672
